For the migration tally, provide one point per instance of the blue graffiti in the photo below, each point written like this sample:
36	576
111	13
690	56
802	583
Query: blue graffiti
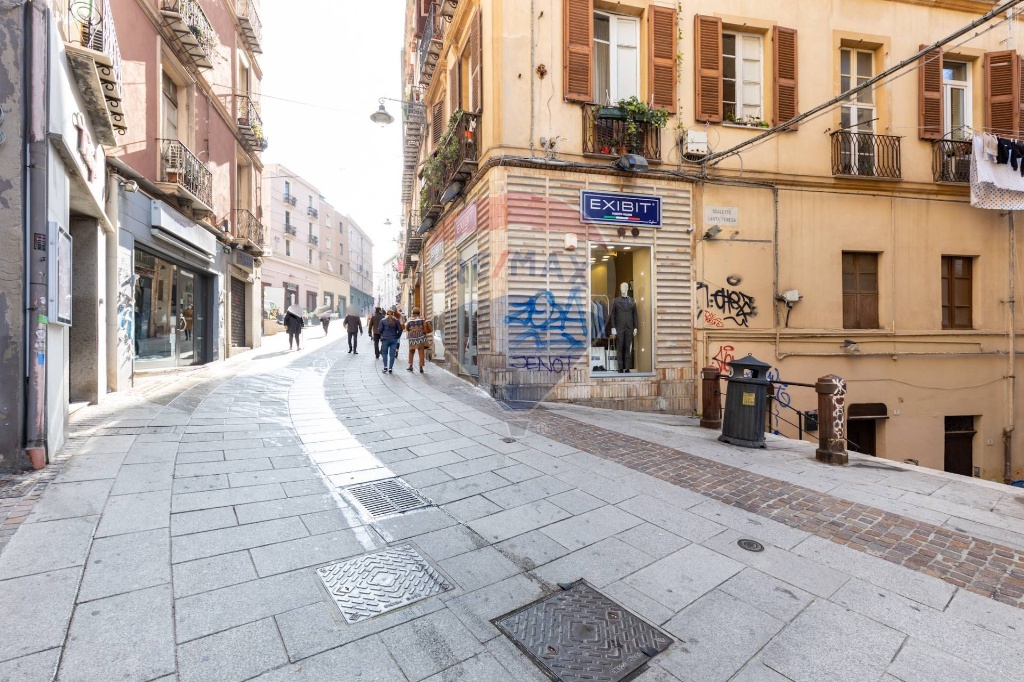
530	321
780	397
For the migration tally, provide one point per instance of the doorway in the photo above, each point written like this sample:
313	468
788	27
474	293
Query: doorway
170	316
864	420
237	313
959	447
468	292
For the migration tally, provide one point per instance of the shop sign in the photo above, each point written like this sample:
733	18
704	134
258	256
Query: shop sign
167	219
617	208
724	216
436	253
244	260
465	224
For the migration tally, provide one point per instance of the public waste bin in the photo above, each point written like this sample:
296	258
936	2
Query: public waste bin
746	403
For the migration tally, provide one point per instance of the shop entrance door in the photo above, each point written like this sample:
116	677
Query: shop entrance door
186	303
468	271
959	450
237	313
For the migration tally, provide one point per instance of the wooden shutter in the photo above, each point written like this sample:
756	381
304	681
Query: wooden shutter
708	48
1002	93
784	62
663	27
578	38
476	67
860	290
454	86
929	115
437	121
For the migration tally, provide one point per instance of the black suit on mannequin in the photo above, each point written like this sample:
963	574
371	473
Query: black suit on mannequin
624	322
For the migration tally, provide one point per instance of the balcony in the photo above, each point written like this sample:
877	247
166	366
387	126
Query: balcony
184	175
446	172
290	199
951	161
314	240
290	229
252	27
250	125
606	134
312	212
866	155
95	60
249	231
193	33
430	45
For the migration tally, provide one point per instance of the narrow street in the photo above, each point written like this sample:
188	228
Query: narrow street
181	539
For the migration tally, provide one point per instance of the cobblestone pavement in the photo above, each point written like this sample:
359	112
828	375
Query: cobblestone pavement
180	540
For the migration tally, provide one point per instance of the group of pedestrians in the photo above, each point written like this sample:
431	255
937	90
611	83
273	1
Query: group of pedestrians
387	329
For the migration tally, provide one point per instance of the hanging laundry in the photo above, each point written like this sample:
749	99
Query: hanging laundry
991	145
994	186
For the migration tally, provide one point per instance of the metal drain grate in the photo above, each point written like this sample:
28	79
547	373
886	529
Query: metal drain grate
386	498
580	634
750	545
373	584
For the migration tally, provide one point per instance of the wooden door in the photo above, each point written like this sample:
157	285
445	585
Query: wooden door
860	436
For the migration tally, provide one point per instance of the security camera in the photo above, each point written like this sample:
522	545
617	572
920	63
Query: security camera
130	186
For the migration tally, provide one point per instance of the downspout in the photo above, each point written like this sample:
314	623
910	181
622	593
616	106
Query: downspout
533	66
112	209
1012	361
36	271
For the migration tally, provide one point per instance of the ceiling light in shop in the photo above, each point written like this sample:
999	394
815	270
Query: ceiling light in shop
626	248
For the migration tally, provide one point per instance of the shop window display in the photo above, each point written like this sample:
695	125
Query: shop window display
619	316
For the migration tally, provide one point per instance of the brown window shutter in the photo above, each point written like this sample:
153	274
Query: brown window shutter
437	122
578	38
662	67
1002	93
708	48
929	119
476	67
454	86
785	71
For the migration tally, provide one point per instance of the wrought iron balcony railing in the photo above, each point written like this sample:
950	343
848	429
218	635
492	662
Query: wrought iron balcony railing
290	229
310	211
866	155
430	45
454	161
290	199
249	230
192	30
951	161
95	60
252	27
250	125
606	133
314	240
180	167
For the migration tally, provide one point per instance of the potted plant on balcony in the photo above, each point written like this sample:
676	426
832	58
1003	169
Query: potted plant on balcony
637	115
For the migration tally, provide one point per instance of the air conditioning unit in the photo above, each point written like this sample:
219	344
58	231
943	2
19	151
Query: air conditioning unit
696	143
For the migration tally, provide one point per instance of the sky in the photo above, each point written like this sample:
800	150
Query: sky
333	59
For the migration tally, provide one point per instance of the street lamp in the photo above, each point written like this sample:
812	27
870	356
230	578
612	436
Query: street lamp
382	116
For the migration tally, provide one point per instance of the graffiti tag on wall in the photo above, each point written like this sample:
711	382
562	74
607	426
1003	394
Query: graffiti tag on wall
780	397
722	358
733	305
542	321
558	364
125	308
562	266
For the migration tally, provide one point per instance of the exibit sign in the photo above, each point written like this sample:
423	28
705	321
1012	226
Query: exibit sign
620	209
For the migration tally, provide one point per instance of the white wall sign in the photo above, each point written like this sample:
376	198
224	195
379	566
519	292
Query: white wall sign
725	216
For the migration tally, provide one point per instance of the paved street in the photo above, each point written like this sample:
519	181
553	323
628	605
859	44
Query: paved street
180	539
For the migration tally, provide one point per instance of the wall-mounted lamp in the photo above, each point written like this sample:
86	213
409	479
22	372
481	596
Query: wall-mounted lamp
712	232
570	242
631	162
850	346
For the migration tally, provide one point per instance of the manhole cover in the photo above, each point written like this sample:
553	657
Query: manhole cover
373	584
580	634
508	439
386	498
750	545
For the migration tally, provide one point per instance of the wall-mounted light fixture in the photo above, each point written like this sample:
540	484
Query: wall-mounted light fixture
712	232
570	242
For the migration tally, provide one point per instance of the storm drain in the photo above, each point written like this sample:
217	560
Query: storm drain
374	584
386	498
580	634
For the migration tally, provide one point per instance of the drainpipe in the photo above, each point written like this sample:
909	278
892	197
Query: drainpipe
112	209
1012	362
36	70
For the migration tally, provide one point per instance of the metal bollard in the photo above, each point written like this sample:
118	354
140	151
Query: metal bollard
711	398
831	392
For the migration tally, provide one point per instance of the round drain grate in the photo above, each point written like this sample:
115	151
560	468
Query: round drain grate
509	439
750	545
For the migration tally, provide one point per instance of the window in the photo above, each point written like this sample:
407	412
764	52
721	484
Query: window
328	243
170	102
341	270
957	293
616	57
310	258
860	290
287	247
310	229
741	77
341	249
329	268
287	188
856	67
311	201
611	269
956	86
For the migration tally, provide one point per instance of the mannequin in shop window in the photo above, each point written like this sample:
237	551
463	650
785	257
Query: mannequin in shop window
624	327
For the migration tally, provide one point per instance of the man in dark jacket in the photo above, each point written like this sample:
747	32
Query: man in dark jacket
354	326
378	315
293	324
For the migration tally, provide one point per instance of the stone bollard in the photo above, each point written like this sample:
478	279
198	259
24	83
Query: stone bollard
711	398
831	392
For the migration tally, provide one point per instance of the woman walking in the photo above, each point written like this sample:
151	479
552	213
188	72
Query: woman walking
418	330
390	331
293	323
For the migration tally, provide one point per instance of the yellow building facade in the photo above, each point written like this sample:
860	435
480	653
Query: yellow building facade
846	245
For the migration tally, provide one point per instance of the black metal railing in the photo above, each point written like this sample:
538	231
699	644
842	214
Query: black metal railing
314	240
951	161
606	132
90	25
430	45
249	20
865	155
312	212
290	199
250	125
459	149
183	168
193	28
248	227
290	229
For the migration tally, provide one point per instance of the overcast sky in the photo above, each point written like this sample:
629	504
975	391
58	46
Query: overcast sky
333	59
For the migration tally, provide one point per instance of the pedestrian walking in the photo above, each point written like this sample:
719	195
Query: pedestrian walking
354	326
293	324
325	321
418	332
390	331
378	315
